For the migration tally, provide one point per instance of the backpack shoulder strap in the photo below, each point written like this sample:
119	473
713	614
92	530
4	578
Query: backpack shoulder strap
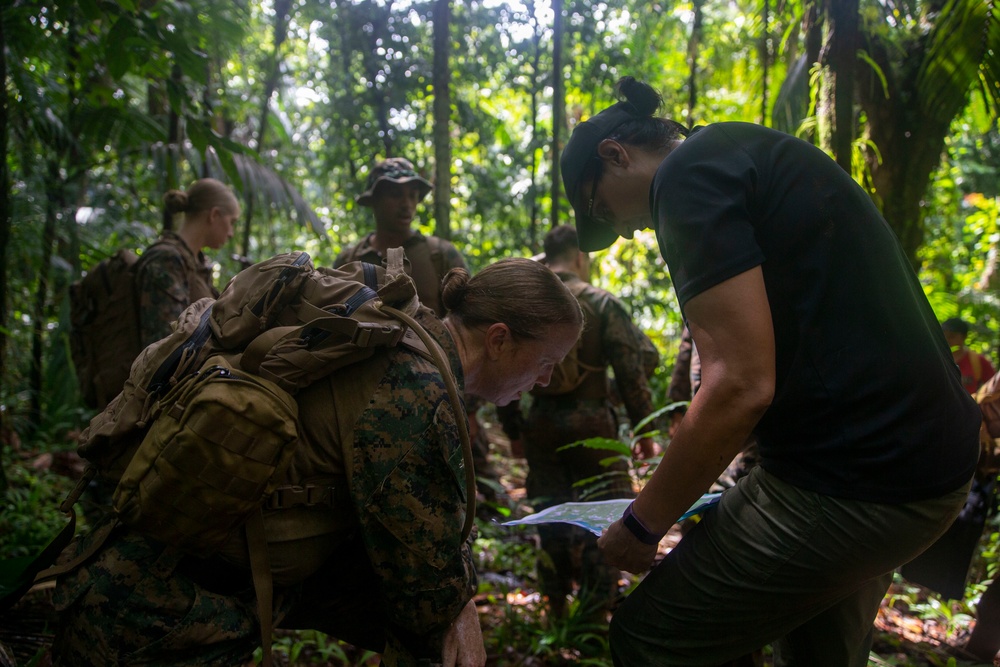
426	275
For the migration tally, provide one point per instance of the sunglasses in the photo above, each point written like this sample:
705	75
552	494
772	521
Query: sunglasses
593	188
598	172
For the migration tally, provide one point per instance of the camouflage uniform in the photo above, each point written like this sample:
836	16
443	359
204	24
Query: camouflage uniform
169	279
587	412
430	260
382	565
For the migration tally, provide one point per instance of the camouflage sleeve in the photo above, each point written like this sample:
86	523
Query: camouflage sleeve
408	485
623	346
163	293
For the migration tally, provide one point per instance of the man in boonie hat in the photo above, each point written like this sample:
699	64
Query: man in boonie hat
393	170
393	190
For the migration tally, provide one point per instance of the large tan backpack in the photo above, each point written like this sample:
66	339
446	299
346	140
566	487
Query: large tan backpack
207	422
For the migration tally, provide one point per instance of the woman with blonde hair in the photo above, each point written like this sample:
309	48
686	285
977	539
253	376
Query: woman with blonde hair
174	273
384	561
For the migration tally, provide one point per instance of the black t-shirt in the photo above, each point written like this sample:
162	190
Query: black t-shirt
868	402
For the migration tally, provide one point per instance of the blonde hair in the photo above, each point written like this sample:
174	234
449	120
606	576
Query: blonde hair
203	195
525	295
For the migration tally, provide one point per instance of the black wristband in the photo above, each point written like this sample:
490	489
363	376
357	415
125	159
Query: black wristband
640	531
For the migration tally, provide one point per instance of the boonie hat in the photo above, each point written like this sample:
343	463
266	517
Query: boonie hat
577	161
394	170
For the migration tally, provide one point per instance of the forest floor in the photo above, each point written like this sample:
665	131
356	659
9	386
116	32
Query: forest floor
913	628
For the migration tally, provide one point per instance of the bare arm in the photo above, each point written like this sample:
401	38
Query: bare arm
731	326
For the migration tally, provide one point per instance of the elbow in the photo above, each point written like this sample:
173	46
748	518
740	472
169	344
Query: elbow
752	397
759	399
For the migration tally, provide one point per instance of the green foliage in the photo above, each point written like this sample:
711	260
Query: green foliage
495	551
523	637
30	516
310	647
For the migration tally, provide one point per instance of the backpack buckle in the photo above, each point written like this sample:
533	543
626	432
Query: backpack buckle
373	334
285	497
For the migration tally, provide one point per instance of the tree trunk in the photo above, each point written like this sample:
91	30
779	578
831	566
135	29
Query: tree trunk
765	58
442	118
5	225
843	49
910	141
558	106
281	10
694	43
536	133
173	144
54	206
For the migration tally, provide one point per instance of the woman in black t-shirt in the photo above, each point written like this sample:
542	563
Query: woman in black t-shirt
815	336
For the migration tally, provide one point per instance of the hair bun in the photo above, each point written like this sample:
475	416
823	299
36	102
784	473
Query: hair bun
175	201
641	96
454	287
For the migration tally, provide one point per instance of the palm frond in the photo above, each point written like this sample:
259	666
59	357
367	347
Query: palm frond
964	51
124	126
270	190
252	179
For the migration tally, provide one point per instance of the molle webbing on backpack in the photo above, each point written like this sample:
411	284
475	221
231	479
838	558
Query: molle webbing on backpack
114	434
209	459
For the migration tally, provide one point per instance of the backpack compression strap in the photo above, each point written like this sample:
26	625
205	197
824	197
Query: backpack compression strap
441	362
394	267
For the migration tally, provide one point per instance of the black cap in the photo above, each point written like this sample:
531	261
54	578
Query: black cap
577	161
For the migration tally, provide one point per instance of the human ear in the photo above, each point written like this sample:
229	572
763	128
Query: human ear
613	152
498	340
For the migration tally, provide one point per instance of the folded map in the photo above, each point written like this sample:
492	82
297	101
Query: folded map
598	515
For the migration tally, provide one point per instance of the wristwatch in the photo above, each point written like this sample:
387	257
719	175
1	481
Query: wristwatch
636	527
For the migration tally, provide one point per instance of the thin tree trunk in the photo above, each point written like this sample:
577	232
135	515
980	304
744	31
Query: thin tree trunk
537	137
442	118
55	204
281	10
843	47
173	144
694	45
535	134
765	58
558	106
5	225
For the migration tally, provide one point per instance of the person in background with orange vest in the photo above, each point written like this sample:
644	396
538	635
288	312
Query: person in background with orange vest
976	368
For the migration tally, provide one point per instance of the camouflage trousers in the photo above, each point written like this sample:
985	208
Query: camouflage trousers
140	602
571	553
128	605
